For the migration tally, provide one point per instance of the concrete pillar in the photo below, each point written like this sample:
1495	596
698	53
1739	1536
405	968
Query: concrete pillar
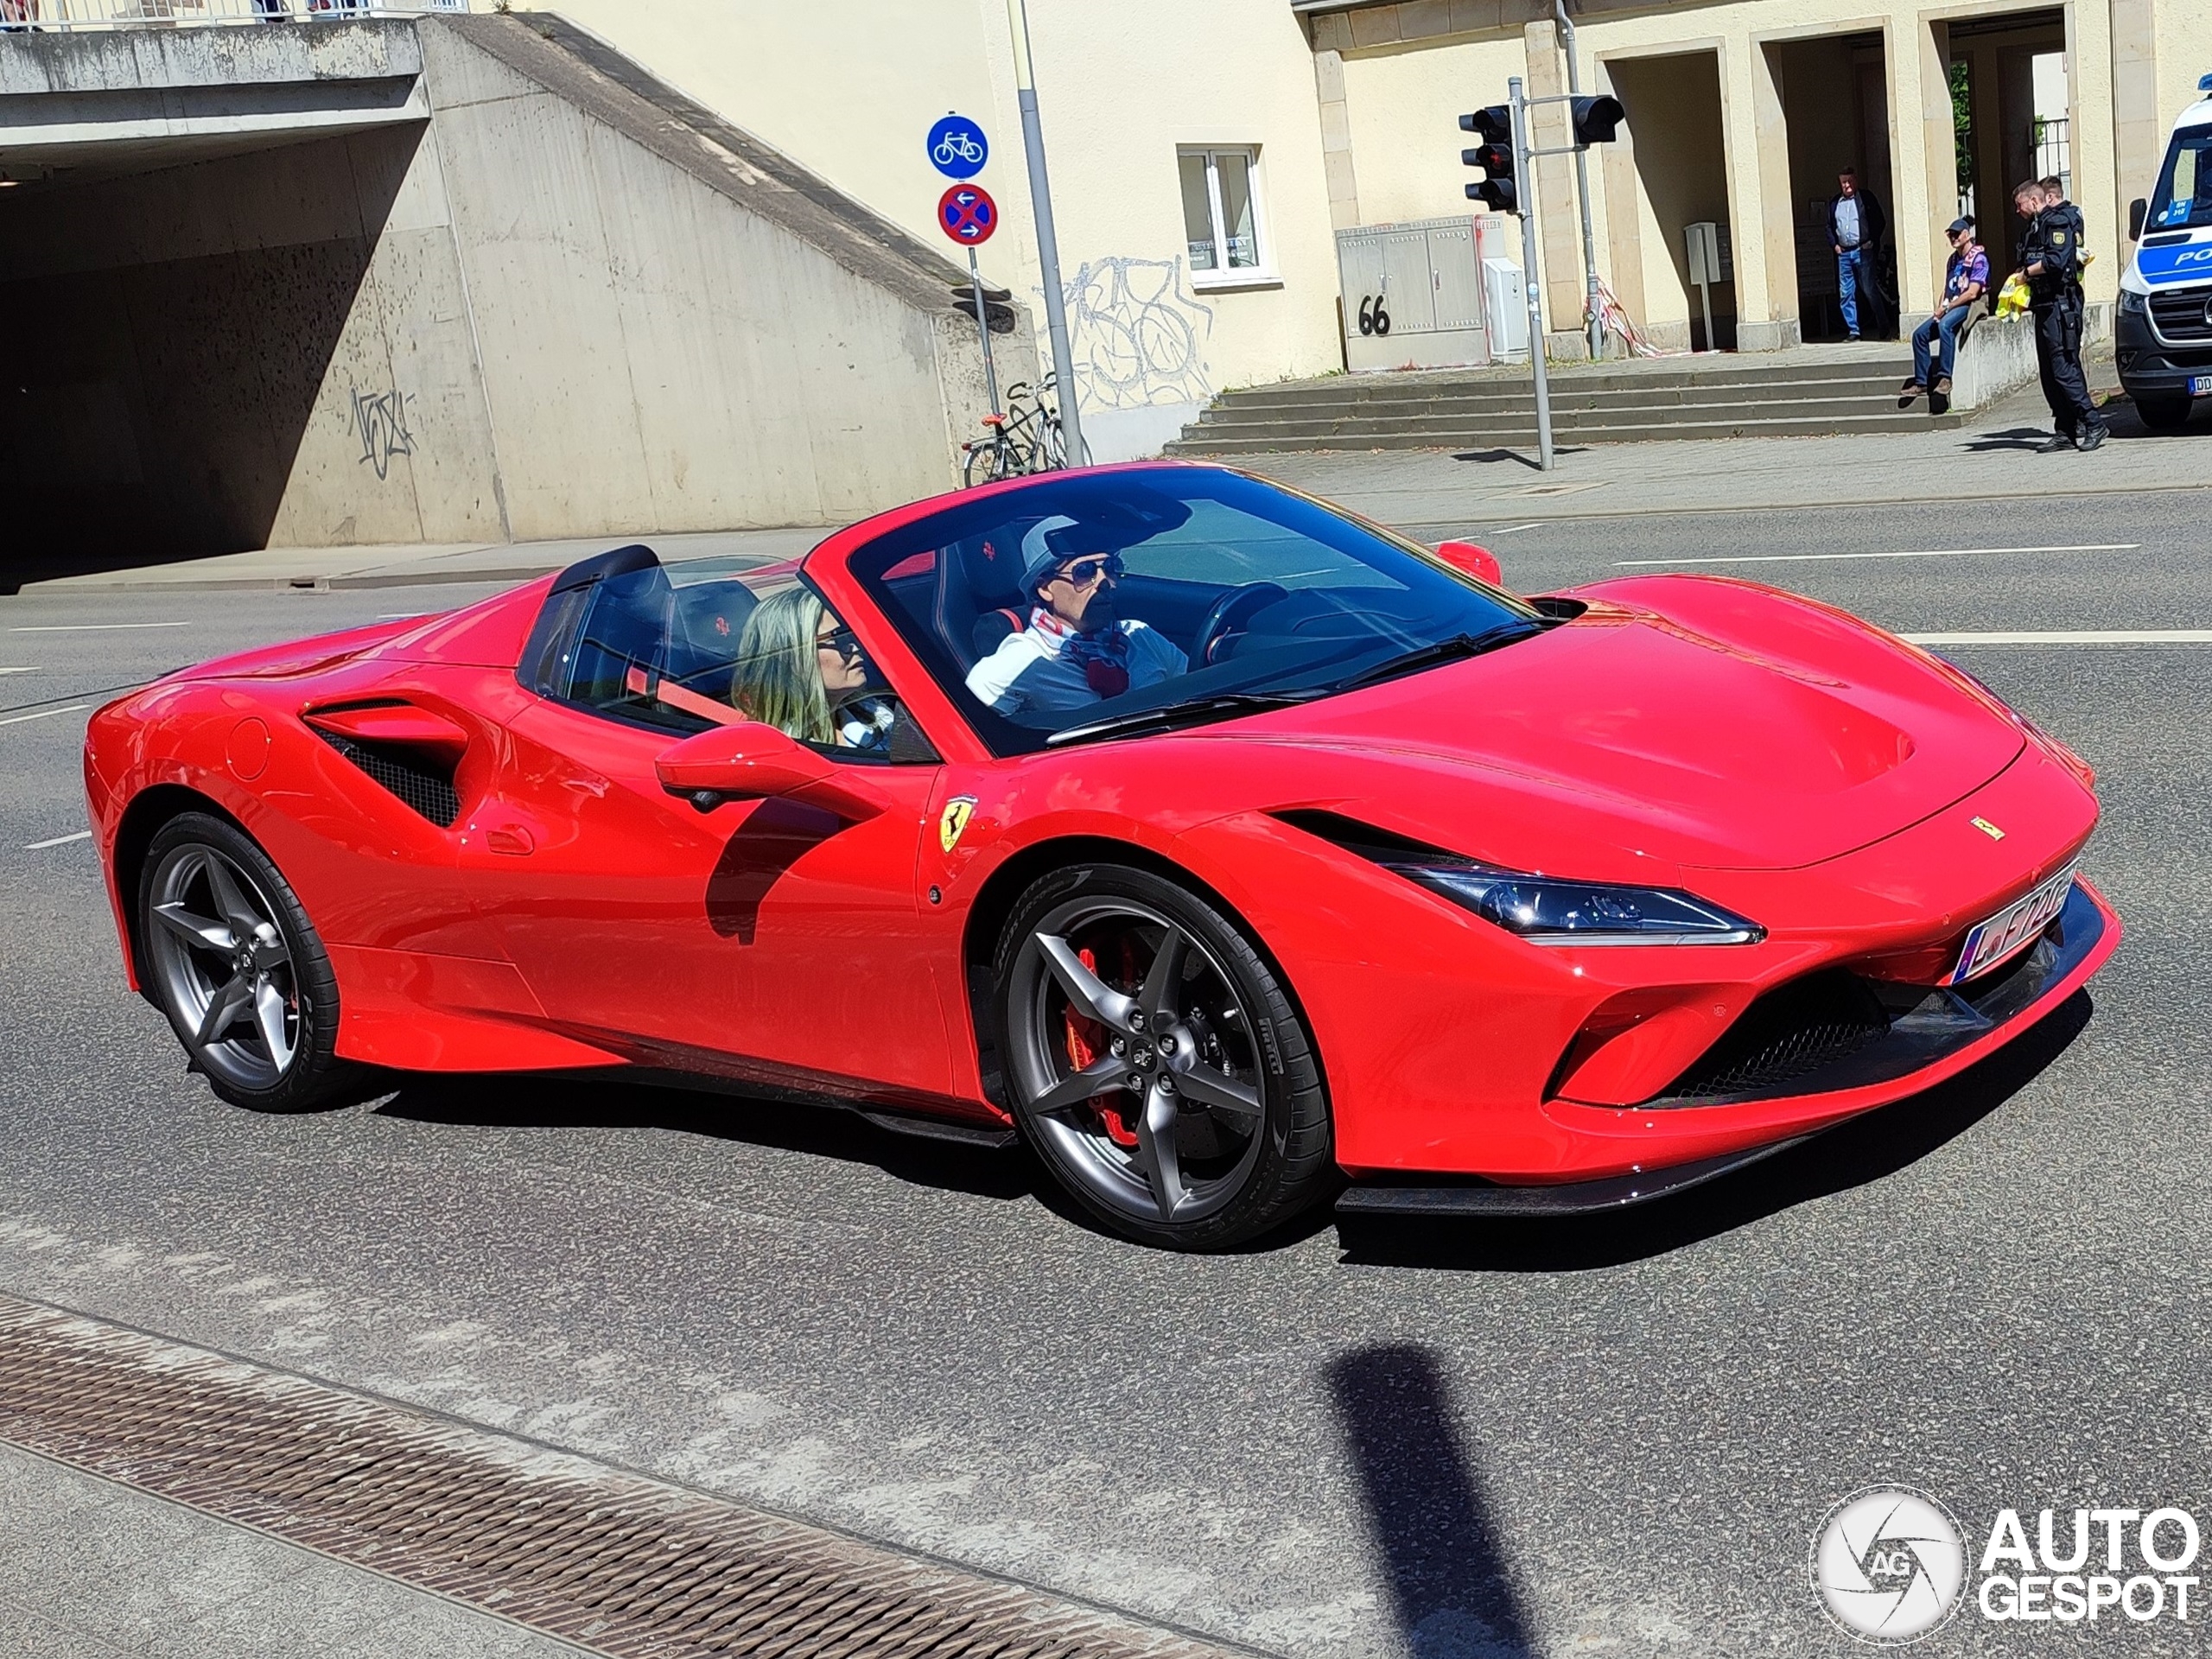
1623	216
2138	123
2090	90
1560	215
1776	246
1336	139
1758	326
1925	166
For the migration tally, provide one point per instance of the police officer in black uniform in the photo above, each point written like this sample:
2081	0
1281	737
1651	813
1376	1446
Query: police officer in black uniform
2050	260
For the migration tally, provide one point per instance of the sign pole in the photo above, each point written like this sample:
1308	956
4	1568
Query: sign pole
1532	284
983	332
1048	245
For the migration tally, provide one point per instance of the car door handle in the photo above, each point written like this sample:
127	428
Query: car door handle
511	839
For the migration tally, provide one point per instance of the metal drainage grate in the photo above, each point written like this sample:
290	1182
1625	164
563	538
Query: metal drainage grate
613	1562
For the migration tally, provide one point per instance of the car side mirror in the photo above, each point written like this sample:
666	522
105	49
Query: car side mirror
1478	562
751	761
2138	210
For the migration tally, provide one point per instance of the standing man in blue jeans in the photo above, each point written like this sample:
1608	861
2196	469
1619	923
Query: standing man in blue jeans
1966	279
1855	226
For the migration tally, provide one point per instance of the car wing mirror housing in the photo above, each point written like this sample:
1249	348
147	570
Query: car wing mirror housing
2138	210
752	761
1478	562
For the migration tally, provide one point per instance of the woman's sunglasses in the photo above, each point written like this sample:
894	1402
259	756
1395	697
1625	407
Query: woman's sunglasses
844	641
1084	572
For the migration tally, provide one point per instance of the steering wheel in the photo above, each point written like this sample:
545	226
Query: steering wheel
1230	613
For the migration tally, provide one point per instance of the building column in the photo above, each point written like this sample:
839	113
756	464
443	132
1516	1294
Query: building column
2138	126
1624	200
1336	139
1924	172
1560	221
1760	326
2090	60
1778	221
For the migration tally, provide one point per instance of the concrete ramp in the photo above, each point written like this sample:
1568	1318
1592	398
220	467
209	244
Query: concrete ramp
437	280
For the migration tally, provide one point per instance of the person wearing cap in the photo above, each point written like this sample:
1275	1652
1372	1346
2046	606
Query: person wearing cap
1077	649
1965	285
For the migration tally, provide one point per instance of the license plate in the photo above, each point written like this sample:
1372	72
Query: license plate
2200	385
2013	929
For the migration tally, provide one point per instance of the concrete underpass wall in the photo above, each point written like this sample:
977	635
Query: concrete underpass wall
521	319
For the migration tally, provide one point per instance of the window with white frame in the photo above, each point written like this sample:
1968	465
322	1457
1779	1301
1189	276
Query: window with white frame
1221	214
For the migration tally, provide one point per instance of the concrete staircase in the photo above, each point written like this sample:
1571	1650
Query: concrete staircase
1809	393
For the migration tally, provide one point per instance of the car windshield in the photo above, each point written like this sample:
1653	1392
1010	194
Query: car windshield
2183	198
1099	604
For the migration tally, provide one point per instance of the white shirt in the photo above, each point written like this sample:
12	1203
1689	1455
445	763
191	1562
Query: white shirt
1848	222
1030	670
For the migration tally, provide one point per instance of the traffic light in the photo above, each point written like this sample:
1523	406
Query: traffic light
1596	120
1498	189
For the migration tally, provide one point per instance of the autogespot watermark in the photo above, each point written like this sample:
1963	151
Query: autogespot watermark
1891	1565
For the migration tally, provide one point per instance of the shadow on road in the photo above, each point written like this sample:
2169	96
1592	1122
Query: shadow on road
1864	1149
2015	437
1451	1587
1530	461
764	1119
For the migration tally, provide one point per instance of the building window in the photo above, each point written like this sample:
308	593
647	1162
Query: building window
1221	216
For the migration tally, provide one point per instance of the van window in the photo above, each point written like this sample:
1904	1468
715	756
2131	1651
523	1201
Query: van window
2183	197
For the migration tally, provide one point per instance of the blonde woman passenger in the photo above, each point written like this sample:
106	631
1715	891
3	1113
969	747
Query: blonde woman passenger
800	669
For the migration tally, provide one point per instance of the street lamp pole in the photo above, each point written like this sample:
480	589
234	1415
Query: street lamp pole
1048	245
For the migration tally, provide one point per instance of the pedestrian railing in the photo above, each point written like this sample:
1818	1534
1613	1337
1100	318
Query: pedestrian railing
18	17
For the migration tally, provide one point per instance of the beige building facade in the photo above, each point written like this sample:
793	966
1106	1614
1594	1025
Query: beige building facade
1205	157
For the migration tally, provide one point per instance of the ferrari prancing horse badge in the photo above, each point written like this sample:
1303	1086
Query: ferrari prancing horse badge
957	811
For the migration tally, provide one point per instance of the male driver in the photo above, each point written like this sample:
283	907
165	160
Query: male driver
2050	259
1855	223
1076	650
1966	279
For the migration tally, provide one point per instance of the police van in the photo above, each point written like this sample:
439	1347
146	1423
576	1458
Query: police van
2163	338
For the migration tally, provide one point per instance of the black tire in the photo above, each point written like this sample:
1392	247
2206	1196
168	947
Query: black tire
2163	414
1228	1080
216	921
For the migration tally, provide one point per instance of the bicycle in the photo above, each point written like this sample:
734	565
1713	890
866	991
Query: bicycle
960	146
1027	438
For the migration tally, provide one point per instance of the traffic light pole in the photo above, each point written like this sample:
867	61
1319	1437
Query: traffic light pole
1532	284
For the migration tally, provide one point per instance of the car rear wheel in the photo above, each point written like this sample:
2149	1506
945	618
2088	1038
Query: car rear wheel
234	961
1156	1063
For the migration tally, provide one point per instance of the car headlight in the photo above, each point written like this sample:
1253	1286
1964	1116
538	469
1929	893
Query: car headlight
2133	305
1549	910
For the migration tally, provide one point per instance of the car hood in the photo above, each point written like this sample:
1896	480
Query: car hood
1661	734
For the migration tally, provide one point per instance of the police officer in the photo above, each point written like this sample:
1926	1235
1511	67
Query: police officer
2050	260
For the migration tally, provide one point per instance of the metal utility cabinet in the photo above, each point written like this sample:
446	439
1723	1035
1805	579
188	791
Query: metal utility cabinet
1412	295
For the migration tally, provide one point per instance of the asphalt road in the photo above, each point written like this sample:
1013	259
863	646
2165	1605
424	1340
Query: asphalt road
1468	1442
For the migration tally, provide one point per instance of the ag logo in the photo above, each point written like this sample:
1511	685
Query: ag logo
957	812
1888	1565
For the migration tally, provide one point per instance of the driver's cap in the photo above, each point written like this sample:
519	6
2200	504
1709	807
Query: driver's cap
1046	547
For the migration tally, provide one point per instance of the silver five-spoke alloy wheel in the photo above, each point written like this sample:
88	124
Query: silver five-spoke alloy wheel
1135	1056
222	967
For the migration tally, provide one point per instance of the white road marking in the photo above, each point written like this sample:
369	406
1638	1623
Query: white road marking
1919	553
2079	637
1511	528
45	714
20	670
93	627
58	841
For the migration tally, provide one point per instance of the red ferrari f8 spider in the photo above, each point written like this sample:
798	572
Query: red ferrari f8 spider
1219	844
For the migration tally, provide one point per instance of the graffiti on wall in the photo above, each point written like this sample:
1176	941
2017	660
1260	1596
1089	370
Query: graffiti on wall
1138	334
380	421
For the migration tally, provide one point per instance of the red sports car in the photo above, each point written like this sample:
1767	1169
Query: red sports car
1221	844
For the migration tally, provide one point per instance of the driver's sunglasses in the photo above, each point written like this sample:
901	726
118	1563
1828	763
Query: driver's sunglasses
842	640
1083	573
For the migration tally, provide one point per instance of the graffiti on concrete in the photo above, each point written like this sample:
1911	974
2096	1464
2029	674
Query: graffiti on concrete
1139	335
380	418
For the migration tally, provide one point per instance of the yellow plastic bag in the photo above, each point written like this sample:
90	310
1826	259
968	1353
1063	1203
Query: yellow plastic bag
2012	298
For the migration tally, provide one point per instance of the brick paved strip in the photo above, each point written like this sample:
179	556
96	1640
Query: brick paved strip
610	1560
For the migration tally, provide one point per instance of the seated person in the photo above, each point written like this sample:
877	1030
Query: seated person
800	669
1076	650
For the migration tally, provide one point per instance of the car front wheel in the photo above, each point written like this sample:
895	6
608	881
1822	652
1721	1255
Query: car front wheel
1155	1062
232	960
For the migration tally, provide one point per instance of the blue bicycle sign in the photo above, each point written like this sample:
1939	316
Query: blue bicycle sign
958	147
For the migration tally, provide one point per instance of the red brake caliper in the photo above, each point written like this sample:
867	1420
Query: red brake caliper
1086	1042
